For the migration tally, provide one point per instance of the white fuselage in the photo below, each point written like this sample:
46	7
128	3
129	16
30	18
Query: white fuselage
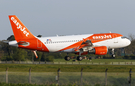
54	44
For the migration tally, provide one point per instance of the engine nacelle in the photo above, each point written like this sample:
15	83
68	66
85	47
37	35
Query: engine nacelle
102	50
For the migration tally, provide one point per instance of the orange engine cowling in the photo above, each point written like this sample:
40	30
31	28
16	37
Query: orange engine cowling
102	50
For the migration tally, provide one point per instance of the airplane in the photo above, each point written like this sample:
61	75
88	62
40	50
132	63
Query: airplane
97	44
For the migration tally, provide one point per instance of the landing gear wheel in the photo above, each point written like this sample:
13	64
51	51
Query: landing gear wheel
113	55
79	58
67	58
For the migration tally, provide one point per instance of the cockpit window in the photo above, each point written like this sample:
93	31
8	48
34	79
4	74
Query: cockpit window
123	37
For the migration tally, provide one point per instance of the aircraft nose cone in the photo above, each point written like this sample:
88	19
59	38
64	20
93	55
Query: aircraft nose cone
128	42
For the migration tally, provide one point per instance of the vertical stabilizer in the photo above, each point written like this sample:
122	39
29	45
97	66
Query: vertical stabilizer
19	29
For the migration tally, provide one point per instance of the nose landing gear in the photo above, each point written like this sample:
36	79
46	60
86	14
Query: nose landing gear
113	55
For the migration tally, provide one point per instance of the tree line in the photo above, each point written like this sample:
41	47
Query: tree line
9	53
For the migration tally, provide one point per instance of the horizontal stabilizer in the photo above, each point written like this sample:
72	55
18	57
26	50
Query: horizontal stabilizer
23	43
5	41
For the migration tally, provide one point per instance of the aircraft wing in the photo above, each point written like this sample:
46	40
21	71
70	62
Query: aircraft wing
86	43
5	41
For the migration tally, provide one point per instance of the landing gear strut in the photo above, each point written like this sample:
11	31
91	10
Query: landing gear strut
79	58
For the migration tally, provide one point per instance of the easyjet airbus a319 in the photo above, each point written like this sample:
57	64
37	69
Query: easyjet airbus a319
79	44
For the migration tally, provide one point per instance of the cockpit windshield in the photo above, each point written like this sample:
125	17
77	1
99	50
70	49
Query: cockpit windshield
123	37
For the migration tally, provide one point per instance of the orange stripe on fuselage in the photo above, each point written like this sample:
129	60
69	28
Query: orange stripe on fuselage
94	39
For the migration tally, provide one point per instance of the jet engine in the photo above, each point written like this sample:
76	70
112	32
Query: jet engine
102	50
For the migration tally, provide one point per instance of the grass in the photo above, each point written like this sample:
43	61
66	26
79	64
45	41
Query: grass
97	60
70	74
65	68
66	78
70	67
4	84
10	84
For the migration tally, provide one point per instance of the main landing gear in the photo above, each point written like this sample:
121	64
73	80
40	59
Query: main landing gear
79	58
67	58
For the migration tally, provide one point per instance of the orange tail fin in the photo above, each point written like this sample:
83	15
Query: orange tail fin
19	29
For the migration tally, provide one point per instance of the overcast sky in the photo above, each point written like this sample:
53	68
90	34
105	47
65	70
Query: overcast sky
68	17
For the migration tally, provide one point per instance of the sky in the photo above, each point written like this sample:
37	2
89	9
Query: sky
69	17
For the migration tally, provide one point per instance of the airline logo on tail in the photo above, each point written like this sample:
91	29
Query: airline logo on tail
24	38
19	26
